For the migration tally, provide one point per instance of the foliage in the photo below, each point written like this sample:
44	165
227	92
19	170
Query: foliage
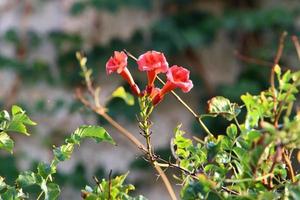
16	122
111	189
43	176
252	160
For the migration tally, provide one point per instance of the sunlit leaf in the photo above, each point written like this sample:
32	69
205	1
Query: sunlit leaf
221	106
121	93
6	142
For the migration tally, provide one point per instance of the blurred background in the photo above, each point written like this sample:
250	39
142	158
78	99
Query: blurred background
228	45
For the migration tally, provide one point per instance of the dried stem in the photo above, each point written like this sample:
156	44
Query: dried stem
272	79
289	166
255	60
297	45
100	111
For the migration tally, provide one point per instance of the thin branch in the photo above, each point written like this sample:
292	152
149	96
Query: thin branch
297	45
291	172
101	111
256	61
230	191
115	124
197	116
252	60
280	47
272	79
98	183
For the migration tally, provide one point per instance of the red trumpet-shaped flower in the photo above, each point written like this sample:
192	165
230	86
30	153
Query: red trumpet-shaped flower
118	63
177	77
154	63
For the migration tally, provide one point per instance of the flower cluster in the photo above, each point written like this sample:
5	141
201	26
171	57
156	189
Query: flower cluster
153	63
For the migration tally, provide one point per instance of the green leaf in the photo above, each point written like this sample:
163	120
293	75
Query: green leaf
96	132
44	170
20	114
63	152
277	70
26	178
19	120
121	93
10	194
253	135
51	190
240	152
221	106
232	131
6	142
294	192
2	183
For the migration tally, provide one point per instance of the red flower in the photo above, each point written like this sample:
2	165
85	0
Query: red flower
154	63
177	77
118	63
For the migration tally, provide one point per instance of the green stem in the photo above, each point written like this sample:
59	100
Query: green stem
180	100
204	127
237	123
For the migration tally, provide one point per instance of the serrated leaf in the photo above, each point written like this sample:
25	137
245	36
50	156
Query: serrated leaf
19	120
20	114
19	127
51	190
26	178
232	131
6	142
121	93
96	132
44	170
63	152
221	106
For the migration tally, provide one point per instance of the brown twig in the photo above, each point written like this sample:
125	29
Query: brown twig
98	183
252	60
110	120
291	172
280	47
272	76
277	114
257	61
297	45
101	111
